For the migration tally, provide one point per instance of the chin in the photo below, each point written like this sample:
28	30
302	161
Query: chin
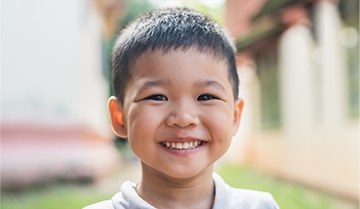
185	173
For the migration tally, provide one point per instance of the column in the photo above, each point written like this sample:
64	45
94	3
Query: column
296	76
332	64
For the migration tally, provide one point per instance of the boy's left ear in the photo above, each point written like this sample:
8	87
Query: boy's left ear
239	104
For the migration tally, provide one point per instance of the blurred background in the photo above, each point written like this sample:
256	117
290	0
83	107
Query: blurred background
298	62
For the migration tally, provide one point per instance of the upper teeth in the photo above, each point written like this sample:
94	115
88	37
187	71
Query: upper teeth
182	145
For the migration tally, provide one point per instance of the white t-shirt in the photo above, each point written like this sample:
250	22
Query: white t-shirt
226	197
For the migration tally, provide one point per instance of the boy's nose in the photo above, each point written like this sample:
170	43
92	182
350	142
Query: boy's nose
182	115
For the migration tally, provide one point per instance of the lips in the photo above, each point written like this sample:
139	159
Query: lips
188	145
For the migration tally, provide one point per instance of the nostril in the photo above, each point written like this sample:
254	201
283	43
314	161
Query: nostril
184	119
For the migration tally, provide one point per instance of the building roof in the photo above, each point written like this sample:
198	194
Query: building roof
274	6
267	22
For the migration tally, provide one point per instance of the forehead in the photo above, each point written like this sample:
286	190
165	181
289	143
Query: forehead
178	60
179	69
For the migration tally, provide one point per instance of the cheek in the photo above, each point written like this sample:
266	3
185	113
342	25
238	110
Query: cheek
220	129
139	131
220	124
142	122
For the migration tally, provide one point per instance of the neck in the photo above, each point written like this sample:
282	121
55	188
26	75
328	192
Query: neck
163	191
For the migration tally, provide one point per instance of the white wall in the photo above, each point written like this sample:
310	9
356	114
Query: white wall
51	69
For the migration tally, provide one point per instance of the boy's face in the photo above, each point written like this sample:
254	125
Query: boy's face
179	113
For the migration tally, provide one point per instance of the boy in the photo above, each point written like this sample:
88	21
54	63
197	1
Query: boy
176	101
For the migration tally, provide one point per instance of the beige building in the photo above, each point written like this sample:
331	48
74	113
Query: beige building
299	70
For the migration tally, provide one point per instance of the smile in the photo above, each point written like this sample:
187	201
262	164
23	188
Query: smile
183	145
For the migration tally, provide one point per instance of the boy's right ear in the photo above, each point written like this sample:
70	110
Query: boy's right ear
116	116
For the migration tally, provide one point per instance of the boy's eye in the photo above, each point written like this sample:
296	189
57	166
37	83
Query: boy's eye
205	97
157	97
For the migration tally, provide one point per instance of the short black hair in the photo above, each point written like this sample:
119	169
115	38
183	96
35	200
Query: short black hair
169	29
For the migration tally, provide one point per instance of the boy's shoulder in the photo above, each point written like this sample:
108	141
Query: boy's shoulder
107	204
230	197
126	198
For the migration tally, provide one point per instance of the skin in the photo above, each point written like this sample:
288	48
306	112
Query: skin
180	96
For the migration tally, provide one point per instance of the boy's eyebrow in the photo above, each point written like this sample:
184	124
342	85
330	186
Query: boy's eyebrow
152	83
210	83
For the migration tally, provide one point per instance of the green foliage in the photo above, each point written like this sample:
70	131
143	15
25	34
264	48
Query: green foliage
287	195
135	8
54	197
215	12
